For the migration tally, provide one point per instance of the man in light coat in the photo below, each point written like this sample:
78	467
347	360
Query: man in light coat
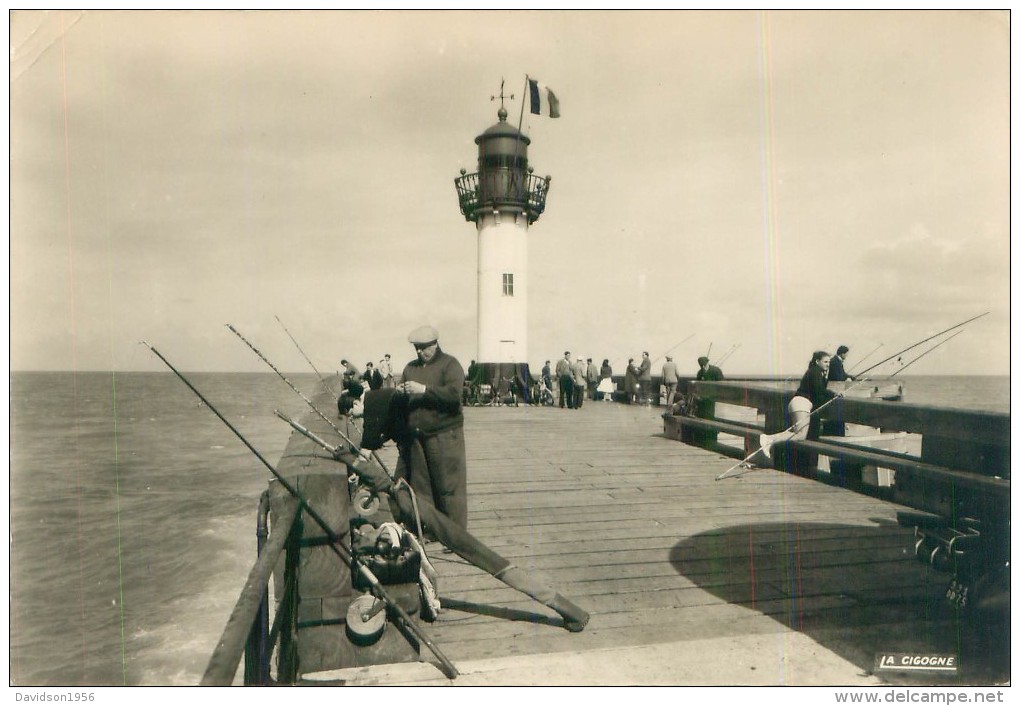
670	378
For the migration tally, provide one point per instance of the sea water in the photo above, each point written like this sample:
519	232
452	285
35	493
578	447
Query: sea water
133	512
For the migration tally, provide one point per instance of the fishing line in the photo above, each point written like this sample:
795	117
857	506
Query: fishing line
307	401
335	540
321	379
825	404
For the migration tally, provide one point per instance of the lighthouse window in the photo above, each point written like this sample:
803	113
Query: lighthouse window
508	284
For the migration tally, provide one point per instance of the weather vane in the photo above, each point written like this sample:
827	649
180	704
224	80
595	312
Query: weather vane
501	96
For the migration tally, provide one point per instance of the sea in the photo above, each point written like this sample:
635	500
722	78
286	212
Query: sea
133	513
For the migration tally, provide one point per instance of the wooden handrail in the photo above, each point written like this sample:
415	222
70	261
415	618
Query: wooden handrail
227	655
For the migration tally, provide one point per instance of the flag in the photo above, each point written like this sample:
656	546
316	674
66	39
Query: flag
543	101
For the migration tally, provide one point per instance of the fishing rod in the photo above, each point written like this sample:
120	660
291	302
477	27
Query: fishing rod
726	356
915	345
321	379
673	349
307	401
335	542
743	462
861	361
709	349
863	380
945	340
336	452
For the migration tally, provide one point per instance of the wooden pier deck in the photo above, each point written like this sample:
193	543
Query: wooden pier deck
762	579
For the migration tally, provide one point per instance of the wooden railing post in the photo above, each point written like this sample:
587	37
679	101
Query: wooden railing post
288	667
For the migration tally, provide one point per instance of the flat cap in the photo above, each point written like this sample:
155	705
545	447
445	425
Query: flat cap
423	335
702	360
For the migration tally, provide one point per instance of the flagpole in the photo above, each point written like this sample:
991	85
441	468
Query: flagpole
517	140
526	94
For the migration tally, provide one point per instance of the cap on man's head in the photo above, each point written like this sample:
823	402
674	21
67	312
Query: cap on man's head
669	357
841	350
702	360
423	335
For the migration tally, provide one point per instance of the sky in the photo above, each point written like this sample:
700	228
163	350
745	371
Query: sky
766	183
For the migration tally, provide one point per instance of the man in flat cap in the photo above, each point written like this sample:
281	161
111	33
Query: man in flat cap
433	459
707	371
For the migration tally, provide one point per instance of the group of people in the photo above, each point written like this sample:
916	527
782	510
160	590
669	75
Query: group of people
575	378
582	377
375	377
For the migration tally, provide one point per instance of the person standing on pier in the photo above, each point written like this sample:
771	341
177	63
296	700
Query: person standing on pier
837	366
433	459
670	378
630	383
708	372
565	378
385	369
579	370
645	379
592	375
606	373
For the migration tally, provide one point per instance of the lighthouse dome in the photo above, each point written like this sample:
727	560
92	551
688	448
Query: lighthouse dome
503	129
502	146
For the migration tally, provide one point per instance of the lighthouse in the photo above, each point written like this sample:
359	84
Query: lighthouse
503	198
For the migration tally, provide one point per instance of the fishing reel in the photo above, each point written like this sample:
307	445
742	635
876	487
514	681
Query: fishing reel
365	501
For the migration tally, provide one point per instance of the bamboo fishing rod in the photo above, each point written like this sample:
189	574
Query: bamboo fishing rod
862	380
335	541
321	379
301	395
336	452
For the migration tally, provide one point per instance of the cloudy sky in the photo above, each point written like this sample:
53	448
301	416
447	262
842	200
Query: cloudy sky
781	182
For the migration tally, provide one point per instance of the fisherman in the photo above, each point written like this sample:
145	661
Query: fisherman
708	372
432	456
838	374
811	394
837	366
349	371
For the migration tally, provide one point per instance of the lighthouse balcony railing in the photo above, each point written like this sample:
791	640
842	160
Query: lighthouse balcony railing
501	187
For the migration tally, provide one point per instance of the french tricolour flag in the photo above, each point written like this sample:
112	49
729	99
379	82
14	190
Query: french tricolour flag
543	101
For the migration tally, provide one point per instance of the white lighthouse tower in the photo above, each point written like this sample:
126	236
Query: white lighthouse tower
503	198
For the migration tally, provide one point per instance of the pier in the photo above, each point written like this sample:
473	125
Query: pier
768	578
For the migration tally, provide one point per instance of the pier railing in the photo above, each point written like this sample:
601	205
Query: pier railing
248	631
956	482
